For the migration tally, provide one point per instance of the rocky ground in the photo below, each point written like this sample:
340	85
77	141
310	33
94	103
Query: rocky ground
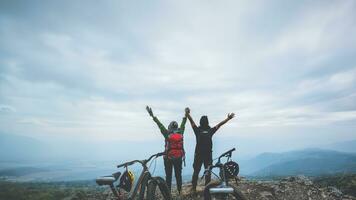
291	188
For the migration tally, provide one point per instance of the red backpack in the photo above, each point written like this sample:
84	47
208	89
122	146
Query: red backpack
174	146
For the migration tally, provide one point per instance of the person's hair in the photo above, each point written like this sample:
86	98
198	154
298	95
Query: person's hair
172	126
204	122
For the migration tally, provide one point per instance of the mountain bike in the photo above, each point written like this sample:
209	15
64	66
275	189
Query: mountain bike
145	181
222	189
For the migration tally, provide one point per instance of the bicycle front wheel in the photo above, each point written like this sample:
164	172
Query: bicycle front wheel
144	184
162	185
237	194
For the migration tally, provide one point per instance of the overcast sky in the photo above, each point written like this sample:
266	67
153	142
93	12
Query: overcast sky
86	69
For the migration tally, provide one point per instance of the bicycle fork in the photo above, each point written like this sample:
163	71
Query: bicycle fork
114	191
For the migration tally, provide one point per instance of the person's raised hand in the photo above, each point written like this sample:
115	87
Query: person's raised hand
149	110
230	115
187	111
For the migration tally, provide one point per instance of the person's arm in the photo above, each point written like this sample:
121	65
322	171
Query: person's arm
229	116
187	113
182	124
155	119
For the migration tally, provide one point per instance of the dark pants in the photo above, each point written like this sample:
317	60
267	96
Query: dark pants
169	164
198	161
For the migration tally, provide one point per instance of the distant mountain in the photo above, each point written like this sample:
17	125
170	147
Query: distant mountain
311	162
266	159
21	171
20	148
346	146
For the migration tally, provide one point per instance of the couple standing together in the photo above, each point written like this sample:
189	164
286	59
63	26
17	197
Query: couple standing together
174	148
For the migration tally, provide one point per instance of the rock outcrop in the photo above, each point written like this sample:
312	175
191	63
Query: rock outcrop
291	188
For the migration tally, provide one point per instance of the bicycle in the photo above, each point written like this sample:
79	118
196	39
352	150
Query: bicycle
145	180
222	189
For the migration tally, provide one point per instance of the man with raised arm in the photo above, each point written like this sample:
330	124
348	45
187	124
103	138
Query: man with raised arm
204	145
174	148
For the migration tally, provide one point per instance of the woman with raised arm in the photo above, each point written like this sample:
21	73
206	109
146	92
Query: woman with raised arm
174	148
204	145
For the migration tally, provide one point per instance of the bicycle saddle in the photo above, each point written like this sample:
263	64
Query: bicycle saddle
105	180
108	180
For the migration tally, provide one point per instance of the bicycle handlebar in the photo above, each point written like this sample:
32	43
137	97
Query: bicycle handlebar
155	155
128	163
218	163
142	162
228	153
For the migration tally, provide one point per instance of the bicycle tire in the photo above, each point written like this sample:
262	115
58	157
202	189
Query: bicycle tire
144	184
151	190
237	193
162	185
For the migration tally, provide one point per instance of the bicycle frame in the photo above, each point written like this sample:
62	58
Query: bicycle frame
145	174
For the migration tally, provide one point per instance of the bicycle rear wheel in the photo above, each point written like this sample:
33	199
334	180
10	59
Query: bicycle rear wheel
162	185
237	194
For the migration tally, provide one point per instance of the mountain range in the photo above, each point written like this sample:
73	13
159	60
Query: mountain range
338	158
310	162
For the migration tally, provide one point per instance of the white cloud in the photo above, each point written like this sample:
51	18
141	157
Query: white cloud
94	79
316	31
334	83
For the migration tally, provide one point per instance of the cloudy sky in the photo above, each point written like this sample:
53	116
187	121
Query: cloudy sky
86	69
